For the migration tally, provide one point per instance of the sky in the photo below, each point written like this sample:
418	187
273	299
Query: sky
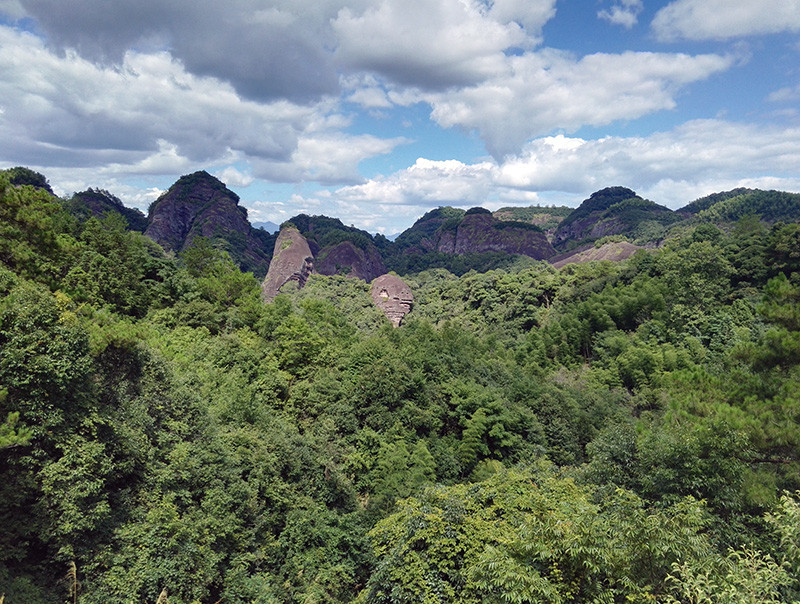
376	111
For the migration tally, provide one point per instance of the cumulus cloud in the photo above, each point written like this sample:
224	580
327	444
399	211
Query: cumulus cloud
701	151
150	116
722	19
625	13
548	90
278	50
427	182
329	159
671	168
233	177
432	45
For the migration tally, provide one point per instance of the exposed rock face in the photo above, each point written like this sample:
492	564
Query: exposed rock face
482	232
346	258
613	251
200	205
292	261
391	294
451	231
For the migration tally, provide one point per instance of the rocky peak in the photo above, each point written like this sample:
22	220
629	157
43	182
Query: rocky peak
176	215
348	259
199	205
610	211
393	296
292	261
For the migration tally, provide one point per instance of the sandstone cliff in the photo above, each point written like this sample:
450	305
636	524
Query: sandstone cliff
200	205
292	263
346	259
393	296
451	231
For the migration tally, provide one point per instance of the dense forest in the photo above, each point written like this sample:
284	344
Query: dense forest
605	432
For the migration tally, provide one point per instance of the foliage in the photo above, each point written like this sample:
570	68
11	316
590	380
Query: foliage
605	432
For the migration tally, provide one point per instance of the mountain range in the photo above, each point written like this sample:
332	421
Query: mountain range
612	224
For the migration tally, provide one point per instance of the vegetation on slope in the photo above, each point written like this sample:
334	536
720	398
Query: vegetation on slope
607	431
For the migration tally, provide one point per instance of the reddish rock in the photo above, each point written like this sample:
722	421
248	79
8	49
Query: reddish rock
200	205
612	251
292	261
393	296
347	259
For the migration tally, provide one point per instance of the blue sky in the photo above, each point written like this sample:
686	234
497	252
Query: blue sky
377	111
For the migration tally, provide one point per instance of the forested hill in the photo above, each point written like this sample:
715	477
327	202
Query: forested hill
604	432
199	205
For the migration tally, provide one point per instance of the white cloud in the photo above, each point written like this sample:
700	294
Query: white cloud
671	168
150	116
723	19
705	155
431	45
785	95
232	177
625	13
330	158
426	183
549	90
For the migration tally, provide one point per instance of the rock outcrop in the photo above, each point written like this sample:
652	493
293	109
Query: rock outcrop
292	262
611	251
200	205
98	202
451	231
346	258
393	296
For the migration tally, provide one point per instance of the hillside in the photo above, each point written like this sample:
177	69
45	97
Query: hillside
769	206
606	431
613	211
199	205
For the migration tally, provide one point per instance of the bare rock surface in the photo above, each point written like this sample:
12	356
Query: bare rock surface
200	205
393	296
292	261
346	258
612	251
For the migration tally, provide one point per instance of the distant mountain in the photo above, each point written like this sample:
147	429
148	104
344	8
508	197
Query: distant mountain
200	205
480	240
546	218
613	211
97	202
730	206
269	227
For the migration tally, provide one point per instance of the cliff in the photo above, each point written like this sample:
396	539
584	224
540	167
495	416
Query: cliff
200	205
346	259
393	296
292	263
476	231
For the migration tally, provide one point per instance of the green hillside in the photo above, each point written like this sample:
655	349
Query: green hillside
604	432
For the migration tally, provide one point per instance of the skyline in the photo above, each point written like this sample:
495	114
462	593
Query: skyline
376	112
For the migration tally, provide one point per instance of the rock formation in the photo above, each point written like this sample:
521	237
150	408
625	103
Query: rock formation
391	294
612	251
200	205
98	202
292	261
348	259
451	231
